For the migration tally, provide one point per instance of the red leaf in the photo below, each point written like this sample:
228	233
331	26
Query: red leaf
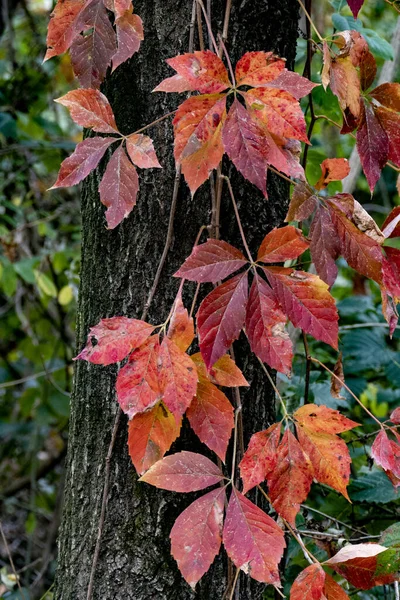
176	83
333	591
345	84
129	35
290	481
90	108
322	419
260	458
302	204
329	457
253	541
286	243
395	416
226	373
391	271
150	435
305	299
258	68
183	472
324	246
355	6
63	26
265	327
333	169
389	311
361	565
250	147
309	585
137	383
91	53
181	326
141	151
198	142
390	121
388	94
119	7
118	188
361	251
368	70
82	161
211	417
197	534
372	146
114	338
211	262
221	317
292	82
203	70
177	379
279	111
382	451
391	226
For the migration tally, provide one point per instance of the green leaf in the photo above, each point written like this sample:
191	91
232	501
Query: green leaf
373	486
25	269
45	284
391	536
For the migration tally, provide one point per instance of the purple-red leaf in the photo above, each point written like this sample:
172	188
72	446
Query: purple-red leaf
372	146
183	472
212	261
302	204
324	246
221	317
129	35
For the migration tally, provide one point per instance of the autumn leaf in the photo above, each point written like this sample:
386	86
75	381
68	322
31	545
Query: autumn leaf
177	377
337	379
198	142
333	169
305	299
225	372
321	419
309	585
90	108
391	225
302	204
203	70
137	382
260	458
111	340
197	534
332	590
355	6
63	26
386	453
387	94
324	245
395	416
391	272
253	541
258	68
150	435
285	243
183	472
211	417
345	84
181	326
293	83
221	317
290	481
372	145
368	68
212	261
390	122
141	151
265	327
82	161
129	29
118	188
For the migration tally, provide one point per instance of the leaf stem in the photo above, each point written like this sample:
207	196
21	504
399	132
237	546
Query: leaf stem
321	39
237	411
280	174
235	208
214	43
284	411
308	367
153	123
225	28
234	584
228	60
318	362
11	560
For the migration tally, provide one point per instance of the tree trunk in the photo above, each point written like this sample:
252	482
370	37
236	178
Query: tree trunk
117	272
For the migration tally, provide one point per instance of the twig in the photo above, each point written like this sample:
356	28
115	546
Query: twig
396	590
321	39
235	208
11	560
225	28
308	368
210	33
362	325
154	122
234	584
285	413
192	24
237	412
332	519
228	60
103	504
7	384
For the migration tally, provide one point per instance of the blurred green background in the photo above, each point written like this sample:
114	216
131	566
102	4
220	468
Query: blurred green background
39	278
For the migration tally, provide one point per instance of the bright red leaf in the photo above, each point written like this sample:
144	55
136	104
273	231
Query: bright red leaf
258	68
253	541
177	378
386	453
221	317
111	340
211	417
204	71
309	585
183	472
212	261
90	108
285	243
197	534
260	458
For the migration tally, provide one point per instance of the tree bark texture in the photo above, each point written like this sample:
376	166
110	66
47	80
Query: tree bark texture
118	269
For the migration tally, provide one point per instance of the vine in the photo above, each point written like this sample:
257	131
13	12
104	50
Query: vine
251	113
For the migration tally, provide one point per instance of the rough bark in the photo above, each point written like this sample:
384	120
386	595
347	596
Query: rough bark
117	272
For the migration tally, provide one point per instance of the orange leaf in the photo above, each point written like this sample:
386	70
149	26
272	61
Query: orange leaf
260	457
321	419
225	372
181	326
388	94
141	151
309	585
285	243
90	108
258	68
177	377
333	169
345	84
332	590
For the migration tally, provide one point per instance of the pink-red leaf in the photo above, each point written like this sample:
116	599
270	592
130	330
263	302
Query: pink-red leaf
181	326
286	243
90	108
372	146
265	327
129	35
150	435
141	151
324	246
119	187
137	382
221	317
290	481
260	458
176	83
111	340
305	299
382	451
212	261
203	70
395	416
292	82
211	417
183	472
82	161
253	541
309	585
197	534
177	379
